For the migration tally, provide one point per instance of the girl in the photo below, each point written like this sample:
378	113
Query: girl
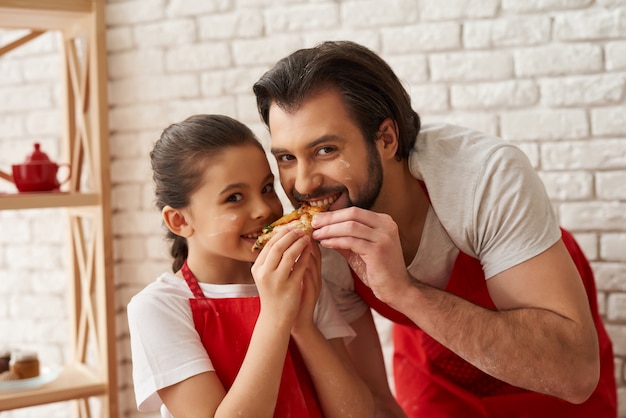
217	337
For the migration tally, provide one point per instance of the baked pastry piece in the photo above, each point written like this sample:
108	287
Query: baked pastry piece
8	376
25	364
299	218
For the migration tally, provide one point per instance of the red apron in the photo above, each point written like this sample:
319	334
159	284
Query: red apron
431	381
225	327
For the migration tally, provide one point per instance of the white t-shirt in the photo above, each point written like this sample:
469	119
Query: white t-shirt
486	201
165	346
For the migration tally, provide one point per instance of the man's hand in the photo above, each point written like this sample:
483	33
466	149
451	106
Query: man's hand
370	243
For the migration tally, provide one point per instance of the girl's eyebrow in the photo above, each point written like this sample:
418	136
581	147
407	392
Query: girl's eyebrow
312	144
233	186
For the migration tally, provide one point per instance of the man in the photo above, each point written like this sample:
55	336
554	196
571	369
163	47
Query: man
449	233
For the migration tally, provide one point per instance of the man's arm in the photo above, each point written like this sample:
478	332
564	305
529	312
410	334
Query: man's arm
367	356
542	338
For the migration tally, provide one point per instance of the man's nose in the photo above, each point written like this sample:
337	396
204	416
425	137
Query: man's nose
307	179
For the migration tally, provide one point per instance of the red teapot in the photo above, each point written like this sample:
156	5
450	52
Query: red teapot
37	173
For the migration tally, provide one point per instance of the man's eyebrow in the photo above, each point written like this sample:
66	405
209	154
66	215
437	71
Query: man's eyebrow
322	139
275	151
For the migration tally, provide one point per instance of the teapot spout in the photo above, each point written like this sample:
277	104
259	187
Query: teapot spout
6	176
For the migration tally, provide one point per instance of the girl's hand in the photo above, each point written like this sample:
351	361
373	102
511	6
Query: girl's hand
278	273
311	288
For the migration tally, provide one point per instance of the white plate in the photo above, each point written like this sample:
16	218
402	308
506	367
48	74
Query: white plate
47	375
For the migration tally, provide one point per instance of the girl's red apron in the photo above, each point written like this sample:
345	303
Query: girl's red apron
431	381
225	327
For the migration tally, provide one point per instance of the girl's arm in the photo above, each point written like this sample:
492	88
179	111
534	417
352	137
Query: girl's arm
339	388
255	389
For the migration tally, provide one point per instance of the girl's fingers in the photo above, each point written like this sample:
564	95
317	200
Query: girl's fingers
301	264
283	250
277	244
295	258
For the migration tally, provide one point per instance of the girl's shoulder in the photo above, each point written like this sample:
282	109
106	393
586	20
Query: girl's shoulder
167	293
166	285
173	289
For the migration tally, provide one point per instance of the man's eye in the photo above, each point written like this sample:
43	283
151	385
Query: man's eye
325	150
234	197
284	158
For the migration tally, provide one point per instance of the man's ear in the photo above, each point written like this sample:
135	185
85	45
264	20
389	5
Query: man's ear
387	138
176	221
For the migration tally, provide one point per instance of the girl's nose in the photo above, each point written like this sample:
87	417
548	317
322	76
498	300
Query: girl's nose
262	209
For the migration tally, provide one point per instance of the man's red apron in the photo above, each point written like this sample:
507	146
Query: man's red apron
431	381
225	327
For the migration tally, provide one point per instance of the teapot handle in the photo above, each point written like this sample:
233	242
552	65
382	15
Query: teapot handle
68	174
6	176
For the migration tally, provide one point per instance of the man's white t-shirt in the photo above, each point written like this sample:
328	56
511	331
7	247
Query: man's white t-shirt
165	346
486	201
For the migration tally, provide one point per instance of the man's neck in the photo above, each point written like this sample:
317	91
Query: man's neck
403	198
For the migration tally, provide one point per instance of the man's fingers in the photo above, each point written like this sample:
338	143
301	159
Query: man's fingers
353	213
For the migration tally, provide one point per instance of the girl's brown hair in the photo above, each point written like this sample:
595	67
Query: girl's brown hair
178	160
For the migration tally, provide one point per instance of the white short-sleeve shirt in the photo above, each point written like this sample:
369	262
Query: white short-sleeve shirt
486	201
165	346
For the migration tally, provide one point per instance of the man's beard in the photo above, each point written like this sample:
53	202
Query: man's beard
374	182
371	187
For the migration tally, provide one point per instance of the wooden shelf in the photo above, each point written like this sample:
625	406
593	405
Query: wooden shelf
47	200
74	381
85	141
43	14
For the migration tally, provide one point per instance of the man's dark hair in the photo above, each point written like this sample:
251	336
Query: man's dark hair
370	89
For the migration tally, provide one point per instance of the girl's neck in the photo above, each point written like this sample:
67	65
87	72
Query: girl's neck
223	271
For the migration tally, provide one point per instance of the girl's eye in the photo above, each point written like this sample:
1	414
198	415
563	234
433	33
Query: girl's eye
269	188
234	197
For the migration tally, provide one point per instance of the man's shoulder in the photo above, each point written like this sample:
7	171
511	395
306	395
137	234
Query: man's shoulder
451	151
451	136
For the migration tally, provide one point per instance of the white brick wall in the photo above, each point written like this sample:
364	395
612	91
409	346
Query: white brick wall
547	74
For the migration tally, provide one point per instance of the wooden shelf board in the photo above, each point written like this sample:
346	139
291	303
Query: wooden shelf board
74	382
12	201
42	14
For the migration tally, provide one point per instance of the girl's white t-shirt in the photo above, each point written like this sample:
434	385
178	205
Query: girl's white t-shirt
165	346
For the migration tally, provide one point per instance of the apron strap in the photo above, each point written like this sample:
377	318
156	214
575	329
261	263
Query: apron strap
192	282
379	306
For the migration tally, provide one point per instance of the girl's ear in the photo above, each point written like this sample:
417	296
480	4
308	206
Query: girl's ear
387	139
176	221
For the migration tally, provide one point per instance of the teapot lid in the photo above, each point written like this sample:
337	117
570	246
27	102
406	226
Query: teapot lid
37	156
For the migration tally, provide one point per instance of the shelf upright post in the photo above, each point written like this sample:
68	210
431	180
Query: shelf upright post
91	371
